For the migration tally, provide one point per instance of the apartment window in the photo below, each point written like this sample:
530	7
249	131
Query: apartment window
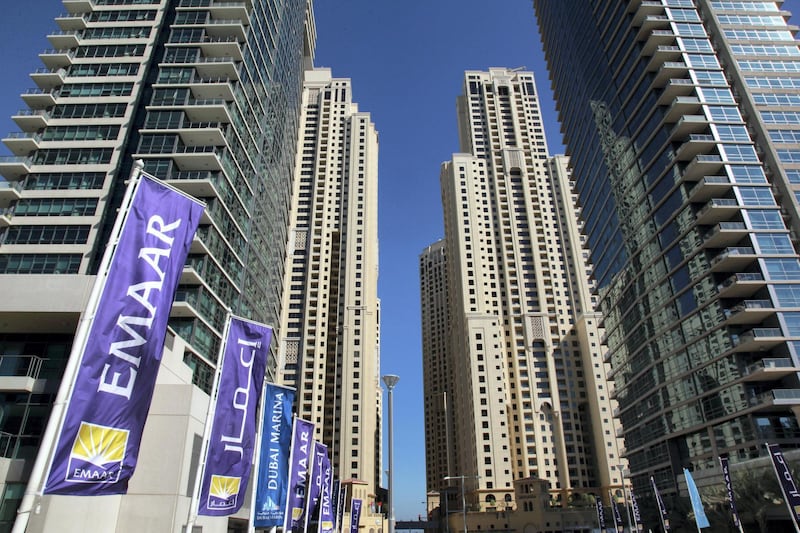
40	263
56	207
73	156
47	235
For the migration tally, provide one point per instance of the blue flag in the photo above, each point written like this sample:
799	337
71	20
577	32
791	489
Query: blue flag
317	475
233	431
697	504
299	459
273	474
98	446
355	514
788	486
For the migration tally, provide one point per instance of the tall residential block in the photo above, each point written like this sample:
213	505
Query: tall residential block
207	93
520	376
682	120
329	343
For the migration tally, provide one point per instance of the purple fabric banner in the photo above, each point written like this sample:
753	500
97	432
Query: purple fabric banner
337	502
98	446
637	516
299	457
355	514
618	525
788	486
233	431
326	501
601	513
726	475
315	474
276	441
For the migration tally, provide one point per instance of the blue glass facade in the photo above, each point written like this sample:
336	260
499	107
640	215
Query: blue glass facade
667	107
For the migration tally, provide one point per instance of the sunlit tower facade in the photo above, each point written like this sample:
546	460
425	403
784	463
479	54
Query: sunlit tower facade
681	120
205	92
329	346
526	381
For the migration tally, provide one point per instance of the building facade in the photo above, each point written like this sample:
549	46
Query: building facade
524	376
207	93
681	118
329	344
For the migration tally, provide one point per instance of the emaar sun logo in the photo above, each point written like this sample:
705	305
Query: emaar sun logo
97	454
223	492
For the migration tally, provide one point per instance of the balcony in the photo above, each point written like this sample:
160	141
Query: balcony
39	98
199	184
194	158
56	59
652	23
709	187
14	167
687	125
749	312
71	21
48	79
31	119
675	88
10	191
197	302
669	70
643	9
230	10
718	210
78	6
655	39
225	46
725	234
210	110
703	165
6	214
741	285
770	369
64	39
758	339
733	259
20	373
217	67
694	145
22	143
219	27
661	54
776	397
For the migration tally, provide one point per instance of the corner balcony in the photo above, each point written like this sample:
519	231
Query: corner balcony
207	110
749	312
776	398
669	70
220	27
6	214
22	143
725	234
741	285
642	9
709	187
71	21
10	191
758	339
20	373
703	165
217	67
39	98
64	39
79	6
224	46
48	79
695	145
56	59
200	184
651	23
770	369
661	54
718	210
674	88
687	125
31	120
230	10
13	167
733	259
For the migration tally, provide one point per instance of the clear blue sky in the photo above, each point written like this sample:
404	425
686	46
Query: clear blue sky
407	61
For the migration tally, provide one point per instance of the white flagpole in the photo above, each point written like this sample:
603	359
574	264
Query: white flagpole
65	388
287	511
212	407
257	462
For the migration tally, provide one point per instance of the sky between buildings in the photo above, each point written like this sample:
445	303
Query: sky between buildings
407	61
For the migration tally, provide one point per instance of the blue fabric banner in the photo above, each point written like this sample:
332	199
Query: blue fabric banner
315	474
233	431
697	504
273	475
97	449
355	514
788	486
302	443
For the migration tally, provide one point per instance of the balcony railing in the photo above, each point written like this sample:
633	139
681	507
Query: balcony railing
20	366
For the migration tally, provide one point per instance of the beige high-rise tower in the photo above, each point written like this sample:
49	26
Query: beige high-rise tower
329	345
522	367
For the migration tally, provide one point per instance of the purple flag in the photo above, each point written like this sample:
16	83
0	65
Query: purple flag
98	446
637	516
276	441
326	511
355	514
316	475
601	513
726	475
233	431
299	457
618	525
788	487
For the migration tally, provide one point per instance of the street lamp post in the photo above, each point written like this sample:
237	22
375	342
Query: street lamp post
463	498
390	381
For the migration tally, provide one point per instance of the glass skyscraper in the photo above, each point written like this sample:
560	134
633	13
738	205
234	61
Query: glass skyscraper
682	122
207	93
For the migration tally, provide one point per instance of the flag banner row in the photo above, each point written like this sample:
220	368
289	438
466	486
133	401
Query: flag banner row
273	474
233	430
97	447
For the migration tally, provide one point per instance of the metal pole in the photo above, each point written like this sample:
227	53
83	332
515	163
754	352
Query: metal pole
625	499
390	381
463	504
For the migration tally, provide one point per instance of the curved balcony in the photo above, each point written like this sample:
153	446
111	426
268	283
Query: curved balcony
703	165
741	285
733	259
709	187
770	369
718	210
674	88
749	312
758	339
694	145
669	70
725	234
687	125
776	397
